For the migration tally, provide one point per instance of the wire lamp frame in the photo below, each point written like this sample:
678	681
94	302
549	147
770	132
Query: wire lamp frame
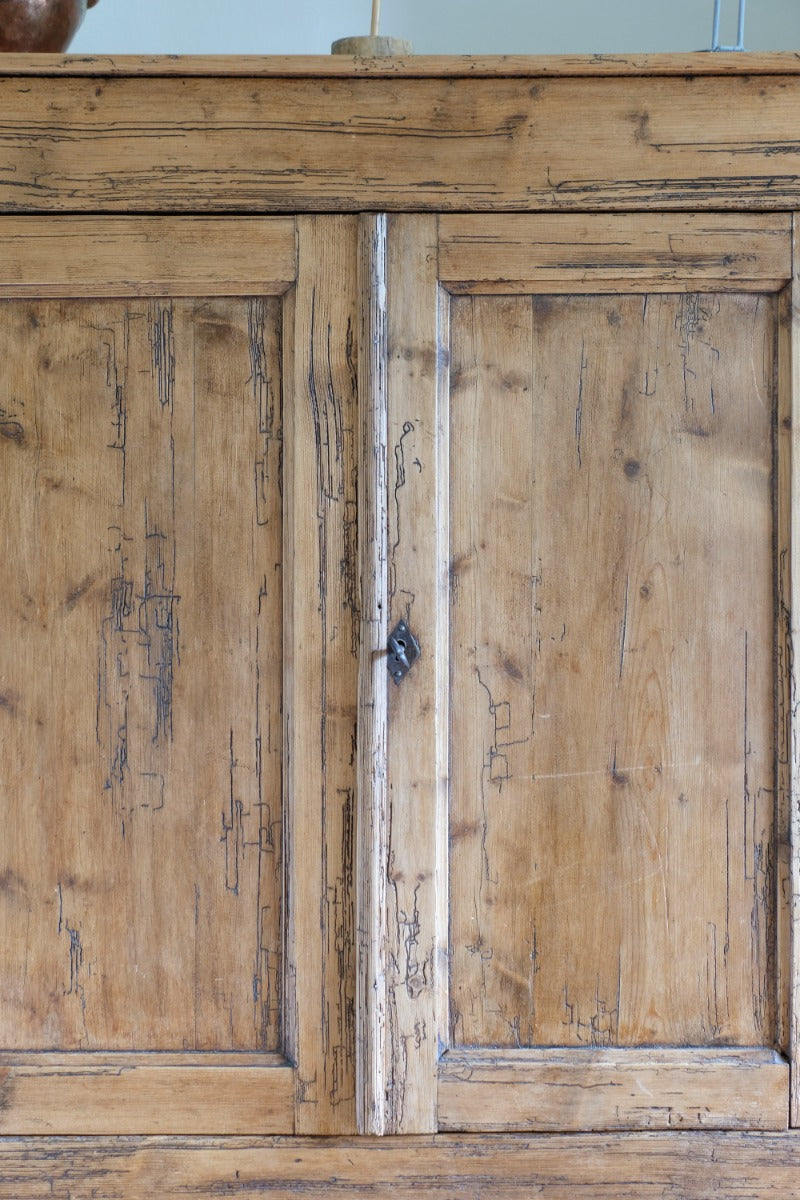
715	34
715	43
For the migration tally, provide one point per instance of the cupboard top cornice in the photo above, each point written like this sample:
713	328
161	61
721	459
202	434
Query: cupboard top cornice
329	134
418	66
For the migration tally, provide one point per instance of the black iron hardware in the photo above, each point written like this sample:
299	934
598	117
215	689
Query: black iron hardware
403	650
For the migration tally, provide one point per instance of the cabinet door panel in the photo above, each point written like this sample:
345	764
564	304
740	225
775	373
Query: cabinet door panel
615	937
146	985
124	774
611	782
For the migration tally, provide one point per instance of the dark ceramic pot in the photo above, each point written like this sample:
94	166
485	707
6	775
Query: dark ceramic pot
47	25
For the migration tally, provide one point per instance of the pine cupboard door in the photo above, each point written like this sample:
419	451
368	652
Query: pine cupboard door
177	676
591	531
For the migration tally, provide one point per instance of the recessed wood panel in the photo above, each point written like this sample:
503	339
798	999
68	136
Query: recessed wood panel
612	751
140	675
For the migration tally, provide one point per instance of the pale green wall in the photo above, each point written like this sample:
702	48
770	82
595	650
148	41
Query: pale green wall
434	26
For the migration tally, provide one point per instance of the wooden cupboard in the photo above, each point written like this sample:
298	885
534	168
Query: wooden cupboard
298	349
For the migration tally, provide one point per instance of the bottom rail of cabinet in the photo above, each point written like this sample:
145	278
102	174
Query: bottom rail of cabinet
624	1166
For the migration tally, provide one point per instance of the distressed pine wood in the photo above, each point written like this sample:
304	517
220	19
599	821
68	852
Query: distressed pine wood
214	136
74	1096
785	682
417	66
690	252
789	734
492	391
322	628
650	1166
142	672
138	256
249	144
372	838
132	429
417	762
590	754
607	1089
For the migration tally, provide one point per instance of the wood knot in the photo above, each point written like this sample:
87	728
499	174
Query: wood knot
12	431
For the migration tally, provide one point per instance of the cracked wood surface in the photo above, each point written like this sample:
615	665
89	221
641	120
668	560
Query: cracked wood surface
134	256
652	1088
142	135
612	865
561	252
417	66
156	143
121	497
613	840
417	751
652	872
142	674
322	636
373	959
788	731
670	1166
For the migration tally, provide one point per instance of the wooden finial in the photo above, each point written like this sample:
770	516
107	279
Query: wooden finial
373	46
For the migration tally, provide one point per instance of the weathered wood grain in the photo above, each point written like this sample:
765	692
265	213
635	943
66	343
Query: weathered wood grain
75	1097
208	137
321	639
786	683
788	506
607	1089
381	141
372	822
143	256
672	1166
612	753
141	840
417	756
522	440
661	253
417	66
131	434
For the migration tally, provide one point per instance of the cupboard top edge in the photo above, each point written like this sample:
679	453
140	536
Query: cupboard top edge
701	62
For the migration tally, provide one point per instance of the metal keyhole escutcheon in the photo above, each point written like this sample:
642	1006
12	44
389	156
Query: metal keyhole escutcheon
403	650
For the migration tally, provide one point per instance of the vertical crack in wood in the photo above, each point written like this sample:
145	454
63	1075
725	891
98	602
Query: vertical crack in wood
139	646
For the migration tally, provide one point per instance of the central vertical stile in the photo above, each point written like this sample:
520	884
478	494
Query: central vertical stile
371	827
